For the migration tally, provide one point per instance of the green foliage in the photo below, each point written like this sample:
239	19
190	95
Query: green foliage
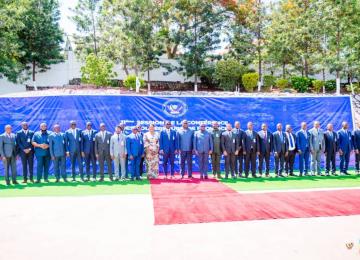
97	71
356	87
130	82
282	83
330	85
301	84
318	85
207	75
228	73
269	81
250	80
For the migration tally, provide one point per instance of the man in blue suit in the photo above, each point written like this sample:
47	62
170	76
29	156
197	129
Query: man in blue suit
88	150
203	146
26	151
356	142
185	139
135	149
345	146
168	148
40	141
73	149
57	151
303	148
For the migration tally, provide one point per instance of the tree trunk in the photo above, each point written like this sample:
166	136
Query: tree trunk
33	74
338	37
324	79
148	83
283	69
94	33
195	58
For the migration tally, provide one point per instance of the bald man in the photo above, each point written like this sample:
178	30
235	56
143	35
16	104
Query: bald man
26	151
40	142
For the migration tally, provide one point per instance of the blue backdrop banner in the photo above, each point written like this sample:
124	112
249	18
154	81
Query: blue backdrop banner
155	109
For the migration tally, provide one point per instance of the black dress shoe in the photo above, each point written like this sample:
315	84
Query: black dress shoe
47	181
57	180
32	180
101	179
8	183
15	182
24	181
37	181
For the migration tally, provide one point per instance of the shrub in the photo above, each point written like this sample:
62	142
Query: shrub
318	84
301	84
356	87
228	73
250	81
269	81
330	85
282	83
97	71
130	82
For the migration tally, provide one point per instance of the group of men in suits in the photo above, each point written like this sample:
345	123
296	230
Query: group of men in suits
241	149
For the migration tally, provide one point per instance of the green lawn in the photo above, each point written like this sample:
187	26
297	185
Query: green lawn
307	182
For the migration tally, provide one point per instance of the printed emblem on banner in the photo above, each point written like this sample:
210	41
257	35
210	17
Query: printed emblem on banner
175	107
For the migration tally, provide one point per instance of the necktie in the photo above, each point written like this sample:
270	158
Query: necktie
103	136
118	137
281	136
265	135
291	141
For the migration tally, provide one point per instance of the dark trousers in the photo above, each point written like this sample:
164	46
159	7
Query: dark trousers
239	163
76	158
90	158
102	158
142	166
357	162
279	163
10	162
250	159
60	167
203	159
304	162
344	161
169	158
215	162
27	161
230	164
289	162
264	156
127	166
330	162
42	169
186	156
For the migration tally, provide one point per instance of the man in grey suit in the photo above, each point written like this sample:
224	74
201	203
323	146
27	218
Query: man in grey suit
216	153
317	147
230	148
250	149
203	146
118	153
8	154
279	149
102	151
57	147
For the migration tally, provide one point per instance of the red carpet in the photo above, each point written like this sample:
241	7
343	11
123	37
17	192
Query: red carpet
195	201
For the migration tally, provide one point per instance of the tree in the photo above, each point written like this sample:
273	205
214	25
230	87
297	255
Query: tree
86	15
97	71
41	36
228	74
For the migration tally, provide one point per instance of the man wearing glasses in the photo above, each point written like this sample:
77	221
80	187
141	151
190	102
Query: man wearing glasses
185	138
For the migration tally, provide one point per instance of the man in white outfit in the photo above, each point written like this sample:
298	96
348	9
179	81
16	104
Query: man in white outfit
118	152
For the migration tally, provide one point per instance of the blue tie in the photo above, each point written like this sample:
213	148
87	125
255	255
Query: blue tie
291	141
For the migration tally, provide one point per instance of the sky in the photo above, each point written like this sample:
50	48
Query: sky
65	23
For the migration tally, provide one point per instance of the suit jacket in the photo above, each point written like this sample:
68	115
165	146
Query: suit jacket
166	144
240	136
134	145
216	139
280	144
265	145
203	142
24	141
8	146
41	138
345	141
118	145
73	145
102	146
229	143
185	139
317	141
331	142
57	145
303	141
250	141
288	142
88	141
356	139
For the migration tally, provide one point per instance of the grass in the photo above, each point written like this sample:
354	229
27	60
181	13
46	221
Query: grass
306	182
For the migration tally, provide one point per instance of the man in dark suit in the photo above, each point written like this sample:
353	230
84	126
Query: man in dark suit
88	149
303	148
331	141
102	151
8	151
216	154
290	151
265	141
251	148
26	151
73	149
356	142
168	148
229	146
135	150
239	159
57	147
345	146
142	160
279	149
